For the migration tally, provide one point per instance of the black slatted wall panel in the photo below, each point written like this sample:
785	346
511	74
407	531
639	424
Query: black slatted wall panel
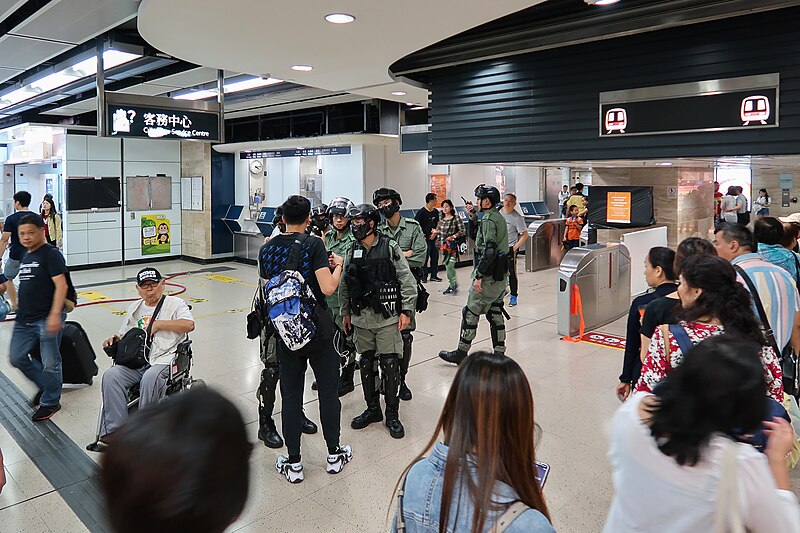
544	106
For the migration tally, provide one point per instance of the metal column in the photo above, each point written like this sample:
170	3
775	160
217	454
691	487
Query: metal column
221	100
102	124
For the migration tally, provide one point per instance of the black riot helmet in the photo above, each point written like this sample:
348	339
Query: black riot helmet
383	193
368	213
277	219
319	220
339	206
487	191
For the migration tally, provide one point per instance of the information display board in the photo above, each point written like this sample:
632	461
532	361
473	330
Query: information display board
621	207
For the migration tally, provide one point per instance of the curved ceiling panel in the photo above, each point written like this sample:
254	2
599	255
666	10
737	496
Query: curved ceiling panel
260	37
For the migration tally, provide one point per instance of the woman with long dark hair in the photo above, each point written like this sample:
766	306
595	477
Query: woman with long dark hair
52	222
486	462
660	276
729	205
712	301
677	467
662	310
761	204
451	229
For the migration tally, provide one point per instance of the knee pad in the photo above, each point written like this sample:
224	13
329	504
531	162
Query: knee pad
270	376
367	359
469	320
390	363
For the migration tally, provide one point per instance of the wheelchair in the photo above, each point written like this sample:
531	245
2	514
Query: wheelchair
180	379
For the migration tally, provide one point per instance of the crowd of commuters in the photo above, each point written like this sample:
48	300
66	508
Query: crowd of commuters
702	372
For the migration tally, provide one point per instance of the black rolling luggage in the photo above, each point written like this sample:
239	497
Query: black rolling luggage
77	356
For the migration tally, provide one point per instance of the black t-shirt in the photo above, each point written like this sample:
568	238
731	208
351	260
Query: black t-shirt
36	287
657	313
428	220
15	248
273	256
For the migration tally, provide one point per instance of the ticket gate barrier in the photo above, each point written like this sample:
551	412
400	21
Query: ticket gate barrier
544	248
594	287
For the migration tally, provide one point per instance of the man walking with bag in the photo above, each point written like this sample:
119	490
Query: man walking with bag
40	316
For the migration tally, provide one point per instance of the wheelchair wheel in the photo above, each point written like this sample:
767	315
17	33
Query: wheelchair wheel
199	383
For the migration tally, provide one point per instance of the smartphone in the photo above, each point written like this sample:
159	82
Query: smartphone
542	470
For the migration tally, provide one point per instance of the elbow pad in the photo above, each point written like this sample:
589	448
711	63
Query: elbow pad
486	263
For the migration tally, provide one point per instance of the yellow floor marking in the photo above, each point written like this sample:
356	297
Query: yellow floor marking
228	279
93	296
229	311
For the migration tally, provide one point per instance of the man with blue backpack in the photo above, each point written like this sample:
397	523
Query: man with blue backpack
298	275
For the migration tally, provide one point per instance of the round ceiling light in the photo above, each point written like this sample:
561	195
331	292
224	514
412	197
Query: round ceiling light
399	93
340	18
302	68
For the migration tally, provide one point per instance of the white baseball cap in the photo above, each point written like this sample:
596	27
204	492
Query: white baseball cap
794	217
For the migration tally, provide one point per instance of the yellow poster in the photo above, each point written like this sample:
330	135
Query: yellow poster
155	234
439	187
618	208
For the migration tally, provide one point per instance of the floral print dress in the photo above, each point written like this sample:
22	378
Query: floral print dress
656	367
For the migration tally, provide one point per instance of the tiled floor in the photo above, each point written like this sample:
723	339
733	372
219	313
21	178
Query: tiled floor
573	387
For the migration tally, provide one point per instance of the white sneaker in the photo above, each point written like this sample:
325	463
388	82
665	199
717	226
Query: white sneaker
292	471
336	461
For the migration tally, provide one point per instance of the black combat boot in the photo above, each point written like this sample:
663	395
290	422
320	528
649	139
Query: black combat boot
346	384
405	392
267	431
307	426
455	356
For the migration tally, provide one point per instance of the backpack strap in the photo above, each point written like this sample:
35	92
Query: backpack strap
681	337
511	514
796	270
294	256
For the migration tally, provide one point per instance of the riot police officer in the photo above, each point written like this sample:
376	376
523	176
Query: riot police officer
489	275
339	240
408	234
378	298
318	223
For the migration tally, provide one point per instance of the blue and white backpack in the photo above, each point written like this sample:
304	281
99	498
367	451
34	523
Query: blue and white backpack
290	302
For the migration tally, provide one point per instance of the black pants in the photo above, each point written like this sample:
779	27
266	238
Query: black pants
513	282
432	257
325	363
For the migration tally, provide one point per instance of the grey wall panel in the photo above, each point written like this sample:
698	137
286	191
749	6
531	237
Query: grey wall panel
545	106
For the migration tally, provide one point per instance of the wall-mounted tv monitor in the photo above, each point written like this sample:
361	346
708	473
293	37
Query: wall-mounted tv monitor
621	207
84	194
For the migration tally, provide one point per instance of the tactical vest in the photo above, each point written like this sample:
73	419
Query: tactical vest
372	279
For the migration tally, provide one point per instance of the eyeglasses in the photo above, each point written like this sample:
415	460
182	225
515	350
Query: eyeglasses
148	285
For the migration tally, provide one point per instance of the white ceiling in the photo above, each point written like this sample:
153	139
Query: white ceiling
268	37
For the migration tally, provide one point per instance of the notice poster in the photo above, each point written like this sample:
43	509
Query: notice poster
618	208
439	187
155	234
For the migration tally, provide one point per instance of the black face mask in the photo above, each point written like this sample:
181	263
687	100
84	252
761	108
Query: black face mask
389	210
361	231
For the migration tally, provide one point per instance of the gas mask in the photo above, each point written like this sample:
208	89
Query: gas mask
360	231
388	211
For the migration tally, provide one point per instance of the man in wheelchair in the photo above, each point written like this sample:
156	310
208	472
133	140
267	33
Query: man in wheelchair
168	333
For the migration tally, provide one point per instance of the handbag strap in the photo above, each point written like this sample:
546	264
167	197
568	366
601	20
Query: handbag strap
149	338
768	333
727	512
294	256
511	514
796	269
667	351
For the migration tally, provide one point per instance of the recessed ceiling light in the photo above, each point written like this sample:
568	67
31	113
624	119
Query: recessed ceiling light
303	68
340	18
399	93
605	2
664	164
410	104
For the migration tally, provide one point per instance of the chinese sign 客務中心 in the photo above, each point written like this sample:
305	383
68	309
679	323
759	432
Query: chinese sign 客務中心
155	234
158	123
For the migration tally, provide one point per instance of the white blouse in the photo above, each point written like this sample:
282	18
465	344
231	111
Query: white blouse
655	494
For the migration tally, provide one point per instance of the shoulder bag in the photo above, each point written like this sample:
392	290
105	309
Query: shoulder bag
789	362
133	349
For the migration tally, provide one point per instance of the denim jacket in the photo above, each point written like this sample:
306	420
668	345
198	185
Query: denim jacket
423	500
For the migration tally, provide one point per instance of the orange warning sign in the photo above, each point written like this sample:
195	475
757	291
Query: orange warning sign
618	210
439	187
